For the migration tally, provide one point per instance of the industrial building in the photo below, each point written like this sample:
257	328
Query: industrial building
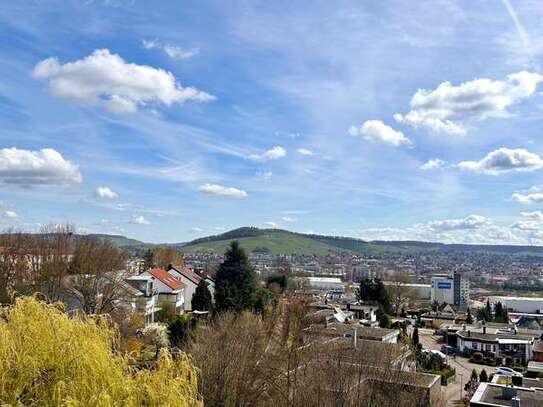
523	305
447	289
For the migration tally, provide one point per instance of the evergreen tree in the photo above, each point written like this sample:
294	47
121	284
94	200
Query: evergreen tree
415	337
202	300
382	317
374	290
488	311
235	287
474	376
148	260
483	377
469	318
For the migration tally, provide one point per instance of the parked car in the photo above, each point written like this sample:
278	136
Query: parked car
435	352
507	371
448	350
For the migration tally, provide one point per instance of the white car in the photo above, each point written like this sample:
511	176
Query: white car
506	371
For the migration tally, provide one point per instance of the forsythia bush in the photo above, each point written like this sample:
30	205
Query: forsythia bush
49	359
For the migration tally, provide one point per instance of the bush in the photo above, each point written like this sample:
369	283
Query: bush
49	359
477	357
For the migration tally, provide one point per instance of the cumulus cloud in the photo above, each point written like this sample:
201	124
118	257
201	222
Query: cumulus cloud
531	221
528	197
469	222
377	131
173	51
41	167
106	79
270	224
446	108
304	151
139	220
288	219
432	164
273	153
10	215
105	193
505	160
219	190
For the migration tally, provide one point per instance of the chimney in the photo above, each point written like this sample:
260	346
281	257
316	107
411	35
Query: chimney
484	329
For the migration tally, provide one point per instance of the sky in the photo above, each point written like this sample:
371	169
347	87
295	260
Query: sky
167	121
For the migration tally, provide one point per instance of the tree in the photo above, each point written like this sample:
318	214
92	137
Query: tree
500	313
148	261
180	330
235	287
483	376
474	375
164	256
400	292
374	290
488	311
277	283
202	300
76	362
96	279
382	317
469	318
415	337
403	314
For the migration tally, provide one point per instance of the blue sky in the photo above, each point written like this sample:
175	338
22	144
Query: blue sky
171	120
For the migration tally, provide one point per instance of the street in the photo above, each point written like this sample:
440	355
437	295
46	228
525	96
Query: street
463	367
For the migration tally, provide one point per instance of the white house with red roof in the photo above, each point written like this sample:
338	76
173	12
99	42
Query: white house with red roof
171	291
190	280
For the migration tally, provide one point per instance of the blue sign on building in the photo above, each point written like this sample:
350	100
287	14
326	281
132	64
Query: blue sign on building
444	285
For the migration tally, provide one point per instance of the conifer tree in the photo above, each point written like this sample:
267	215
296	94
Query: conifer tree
235	287
202	299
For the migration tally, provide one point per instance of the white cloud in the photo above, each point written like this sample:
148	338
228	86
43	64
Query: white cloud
270	224
505	160
105	193
377	131
41	167
196	230
469	222
173	51
288	219
446	108
10	215
219	190
304	151
535	215
433	164
139	220
528	197
106	79
273	153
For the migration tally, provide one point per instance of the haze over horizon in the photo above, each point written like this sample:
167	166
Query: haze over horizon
170	121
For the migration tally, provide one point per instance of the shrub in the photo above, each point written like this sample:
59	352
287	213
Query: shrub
49	359
477	357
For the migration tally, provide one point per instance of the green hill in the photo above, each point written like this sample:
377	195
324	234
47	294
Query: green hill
269	241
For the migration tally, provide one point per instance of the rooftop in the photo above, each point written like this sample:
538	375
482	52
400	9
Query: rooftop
493	395
166	278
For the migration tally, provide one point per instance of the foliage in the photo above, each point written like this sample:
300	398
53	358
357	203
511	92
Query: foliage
48	359
469	317
148	261
235	287
415	337
383	318
202	300
500	313
483	376
277	282
263	297
165	256
180	330
374	290
474	375
477	357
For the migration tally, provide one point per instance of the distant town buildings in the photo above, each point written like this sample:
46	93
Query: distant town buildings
447	289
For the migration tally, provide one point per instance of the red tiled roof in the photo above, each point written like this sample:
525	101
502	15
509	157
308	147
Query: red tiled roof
188	273
166	278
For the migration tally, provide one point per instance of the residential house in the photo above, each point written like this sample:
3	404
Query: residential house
190	280
171	291
501	392
508	344
141	296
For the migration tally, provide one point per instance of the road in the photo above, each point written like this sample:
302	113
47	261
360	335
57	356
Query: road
463	367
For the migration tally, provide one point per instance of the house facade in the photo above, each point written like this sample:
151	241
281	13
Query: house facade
171	291
190	280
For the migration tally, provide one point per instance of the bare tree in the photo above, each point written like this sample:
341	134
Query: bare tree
400	292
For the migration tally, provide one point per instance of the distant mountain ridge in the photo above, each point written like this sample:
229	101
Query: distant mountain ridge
279	241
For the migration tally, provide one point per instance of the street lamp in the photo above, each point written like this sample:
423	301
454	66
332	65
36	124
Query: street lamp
460	374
